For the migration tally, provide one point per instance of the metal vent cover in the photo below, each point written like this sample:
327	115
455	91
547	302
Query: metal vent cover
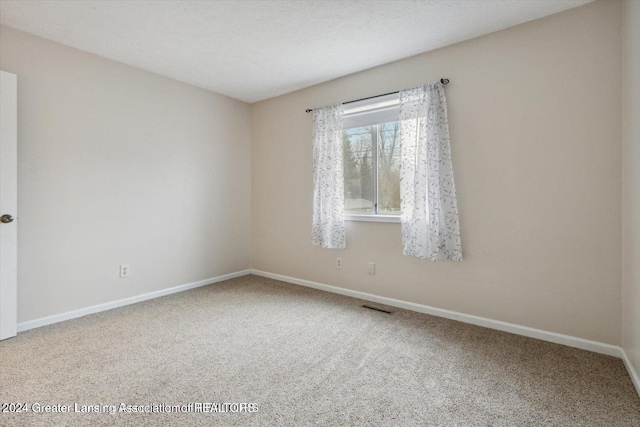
377	309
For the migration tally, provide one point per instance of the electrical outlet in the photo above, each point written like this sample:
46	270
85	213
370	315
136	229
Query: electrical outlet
338	262
372	267
124	270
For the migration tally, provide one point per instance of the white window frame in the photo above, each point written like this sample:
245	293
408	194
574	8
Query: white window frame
372	218
363	107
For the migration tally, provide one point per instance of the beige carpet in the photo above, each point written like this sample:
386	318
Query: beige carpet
305	357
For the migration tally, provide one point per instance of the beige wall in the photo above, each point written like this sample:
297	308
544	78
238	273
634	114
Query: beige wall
631	185
118	165
535	125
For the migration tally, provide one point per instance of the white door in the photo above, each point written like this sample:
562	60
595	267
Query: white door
8	204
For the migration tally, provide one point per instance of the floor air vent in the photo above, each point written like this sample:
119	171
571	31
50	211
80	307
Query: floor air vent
377	309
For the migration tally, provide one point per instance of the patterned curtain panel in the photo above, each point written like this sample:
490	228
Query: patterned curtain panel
429	211
328	178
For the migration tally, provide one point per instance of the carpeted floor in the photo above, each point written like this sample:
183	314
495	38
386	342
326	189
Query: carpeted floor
305	357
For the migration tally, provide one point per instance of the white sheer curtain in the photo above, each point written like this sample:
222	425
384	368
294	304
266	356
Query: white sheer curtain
429	211
328	178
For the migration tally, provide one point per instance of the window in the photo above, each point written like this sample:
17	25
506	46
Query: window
372	160
429	211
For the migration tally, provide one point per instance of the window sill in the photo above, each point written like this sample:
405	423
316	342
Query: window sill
373	218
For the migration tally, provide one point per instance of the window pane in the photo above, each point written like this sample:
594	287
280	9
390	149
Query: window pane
358	173
389	168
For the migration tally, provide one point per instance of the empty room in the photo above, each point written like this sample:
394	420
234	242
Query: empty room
331	213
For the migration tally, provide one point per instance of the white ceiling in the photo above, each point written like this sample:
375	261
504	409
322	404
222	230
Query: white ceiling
257	49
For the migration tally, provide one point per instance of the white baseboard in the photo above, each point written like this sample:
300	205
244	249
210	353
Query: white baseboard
43	321
595	346
635	378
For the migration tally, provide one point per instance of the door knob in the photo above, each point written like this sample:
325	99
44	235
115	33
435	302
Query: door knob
6	219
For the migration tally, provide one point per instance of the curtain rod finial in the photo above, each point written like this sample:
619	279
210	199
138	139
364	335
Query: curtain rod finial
444	81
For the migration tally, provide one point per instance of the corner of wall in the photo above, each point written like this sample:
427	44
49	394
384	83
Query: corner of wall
630	199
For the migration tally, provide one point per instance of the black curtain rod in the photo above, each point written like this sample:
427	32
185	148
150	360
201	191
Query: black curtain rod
443	81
